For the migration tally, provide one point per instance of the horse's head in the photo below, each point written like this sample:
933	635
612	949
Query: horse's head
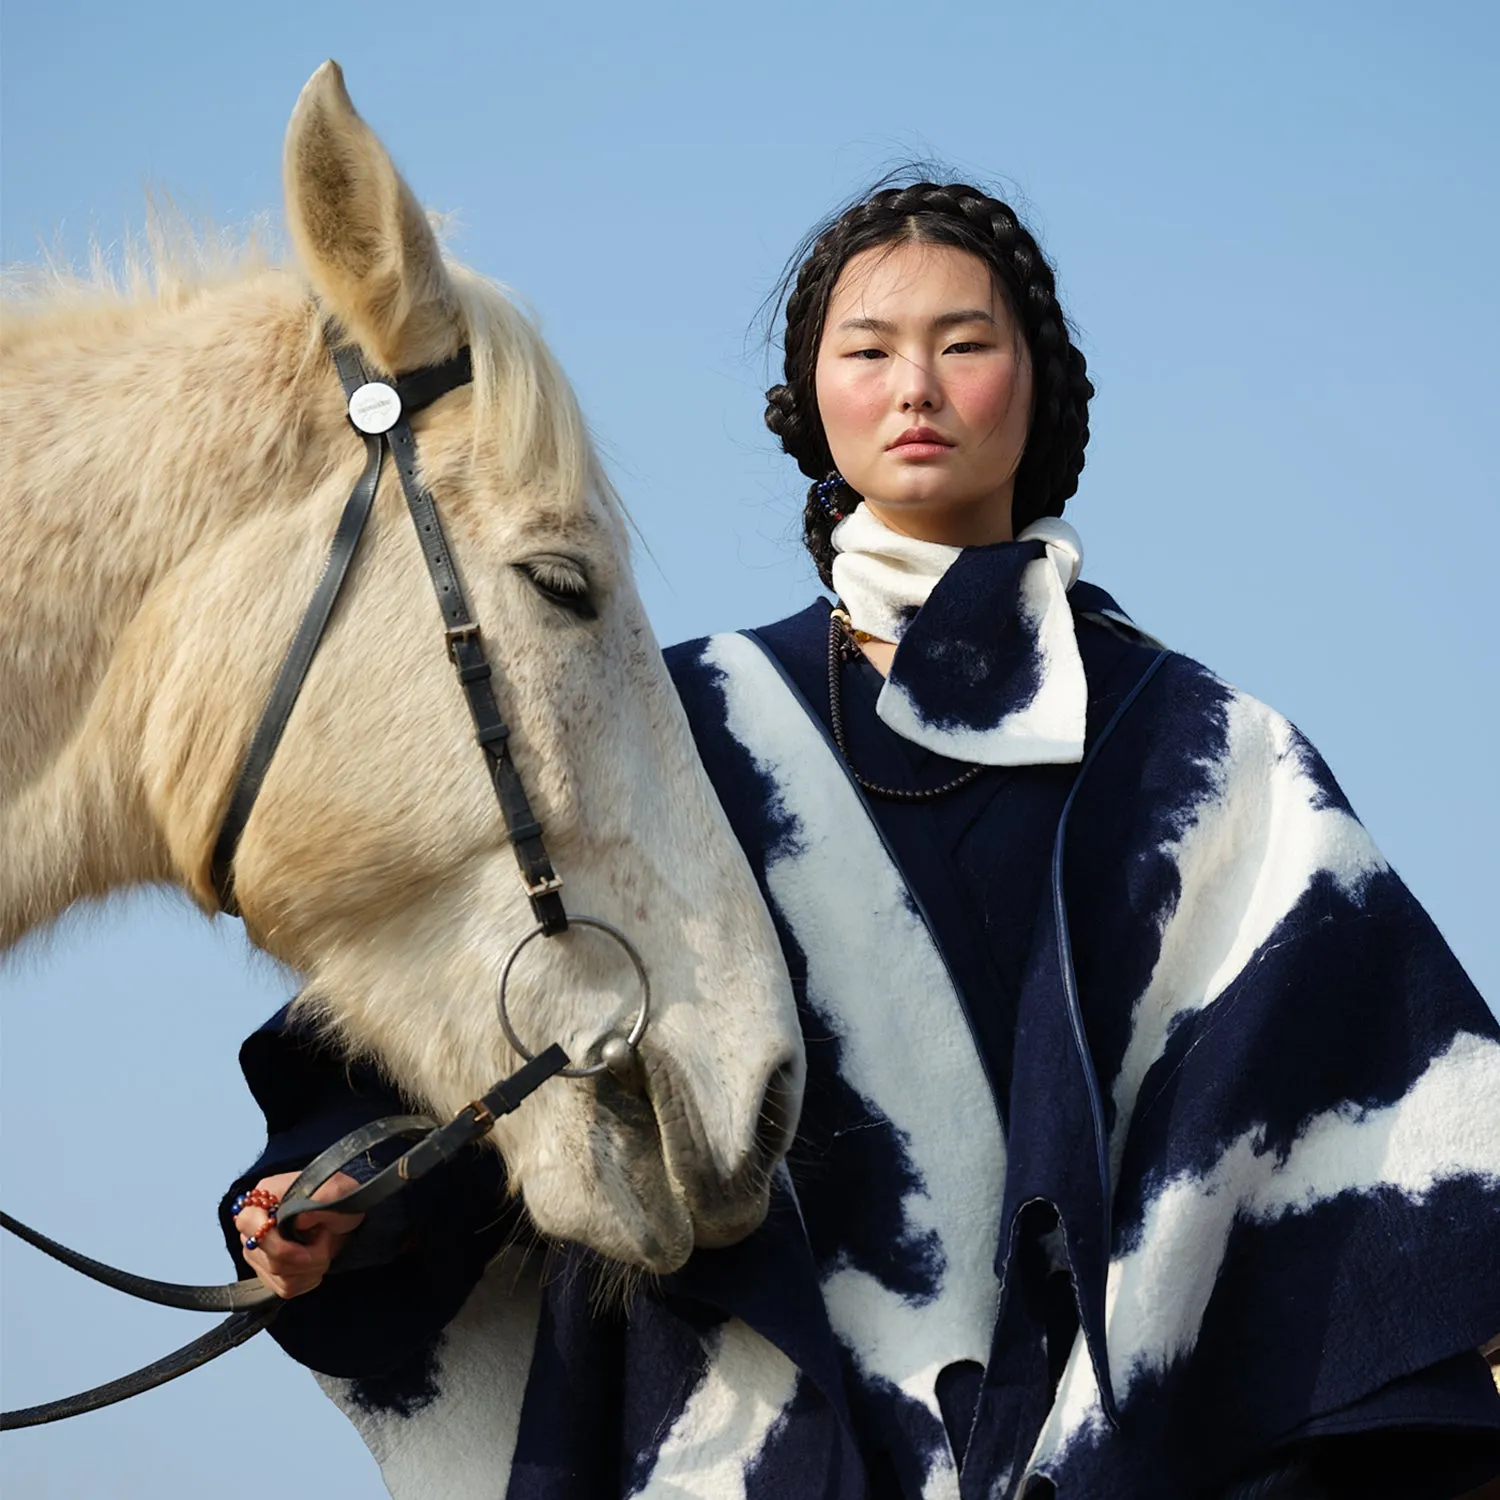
376	861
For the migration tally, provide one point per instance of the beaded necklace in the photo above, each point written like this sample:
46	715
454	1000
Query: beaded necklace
843	645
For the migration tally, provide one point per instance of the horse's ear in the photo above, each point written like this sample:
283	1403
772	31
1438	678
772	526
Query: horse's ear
361	235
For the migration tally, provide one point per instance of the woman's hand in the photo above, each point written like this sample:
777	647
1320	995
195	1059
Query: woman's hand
288	1268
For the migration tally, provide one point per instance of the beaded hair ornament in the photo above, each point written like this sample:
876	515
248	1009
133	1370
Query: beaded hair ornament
824	491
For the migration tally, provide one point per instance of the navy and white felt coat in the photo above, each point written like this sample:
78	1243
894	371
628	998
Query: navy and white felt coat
1231	1183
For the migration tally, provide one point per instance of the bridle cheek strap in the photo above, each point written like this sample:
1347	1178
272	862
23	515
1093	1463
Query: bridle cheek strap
542	884
404	396
290	677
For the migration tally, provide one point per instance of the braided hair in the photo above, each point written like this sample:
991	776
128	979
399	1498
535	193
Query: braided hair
935	214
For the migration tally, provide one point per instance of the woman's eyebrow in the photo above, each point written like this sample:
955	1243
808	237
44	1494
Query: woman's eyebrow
963	315
943	320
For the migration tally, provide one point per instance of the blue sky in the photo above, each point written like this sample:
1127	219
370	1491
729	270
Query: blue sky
1274	227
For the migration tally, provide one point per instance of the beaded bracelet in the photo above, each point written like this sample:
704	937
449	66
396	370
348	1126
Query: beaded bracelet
261	1198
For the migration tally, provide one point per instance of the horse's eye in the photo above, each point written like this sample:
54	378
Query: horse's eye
562	581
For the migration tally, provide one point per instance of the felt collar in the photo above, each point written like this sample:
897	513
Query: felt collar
986	668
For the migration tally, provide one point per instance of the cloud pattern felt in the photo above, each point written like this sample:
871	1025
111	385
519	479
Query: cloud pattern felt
1264	1163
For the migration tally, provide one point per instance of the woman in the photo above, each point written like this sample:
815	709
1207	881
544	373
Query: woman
1174	1187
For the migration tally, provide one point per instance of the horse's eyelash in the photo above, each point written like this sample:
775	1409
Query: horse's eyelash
565	578
562	581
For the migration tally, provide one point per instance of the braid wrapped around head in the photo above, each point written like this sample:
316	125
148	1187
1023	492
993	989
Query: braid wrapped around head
967	219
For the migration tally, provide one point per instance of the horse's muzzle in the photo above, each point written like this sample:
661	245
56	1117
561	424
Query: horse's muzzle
726	1192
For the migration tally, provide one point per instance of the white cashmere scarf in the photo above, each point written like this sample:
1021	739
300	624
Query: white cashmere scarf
883	579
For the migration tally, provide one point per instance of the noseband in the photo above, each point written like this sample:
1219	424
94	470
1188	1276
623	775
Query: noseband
380	411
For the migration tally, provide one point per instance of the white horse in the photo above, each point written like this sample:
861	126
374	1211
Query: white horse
174	466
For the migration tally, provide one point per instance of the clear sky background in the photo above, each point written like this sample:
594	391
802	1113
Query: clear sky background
1275	227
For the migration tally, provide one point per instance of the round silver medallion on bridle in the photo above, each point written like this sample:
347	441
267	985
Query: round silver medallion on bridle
617	1053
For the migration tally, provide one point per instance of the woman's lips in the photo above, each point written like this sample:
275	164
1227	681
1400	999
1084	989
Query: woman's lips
920	442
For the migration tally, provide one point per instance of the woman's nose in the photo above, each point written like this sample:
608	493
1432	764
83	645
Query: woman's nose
918	389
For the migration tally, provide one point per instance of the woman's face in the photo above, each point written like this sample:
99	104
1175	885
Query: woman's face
924	387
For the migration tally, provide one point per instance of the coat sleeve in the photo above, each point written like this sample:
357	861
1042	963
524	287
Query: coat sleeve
368	1322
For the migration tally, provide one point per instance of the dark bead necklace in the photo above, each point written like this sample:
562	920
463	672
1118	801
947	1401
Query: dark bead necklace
843	645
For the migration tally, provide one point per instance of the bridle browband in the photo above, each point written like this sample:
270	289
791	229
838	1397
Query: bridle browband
380	411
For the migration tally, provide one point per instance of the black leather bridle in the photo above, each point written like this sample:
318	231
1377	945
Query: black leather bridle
381	412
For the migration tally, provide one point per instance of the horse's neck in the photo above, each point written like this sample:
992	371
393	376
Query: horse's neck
137	440
132	435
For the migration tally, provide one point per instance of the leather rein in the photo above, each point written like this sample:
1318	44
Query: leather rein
380	411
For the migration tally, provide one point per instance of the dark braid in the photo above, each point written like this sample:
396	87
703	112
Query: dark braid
940	214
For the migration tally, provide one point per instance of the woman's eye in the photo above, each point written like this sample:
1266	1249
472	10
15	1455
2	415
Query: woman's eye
967	346
867	354
560	581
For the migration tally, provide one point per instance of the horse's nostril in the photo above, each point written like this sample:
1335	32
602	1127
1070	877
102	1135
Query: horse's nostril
779	1107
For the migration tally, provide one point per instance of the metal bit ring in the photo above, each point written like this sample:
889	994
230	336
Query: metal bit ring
637	1027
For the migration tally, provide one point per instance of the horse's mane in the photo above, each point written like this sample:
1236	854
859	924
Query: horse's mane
164	265
522	401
